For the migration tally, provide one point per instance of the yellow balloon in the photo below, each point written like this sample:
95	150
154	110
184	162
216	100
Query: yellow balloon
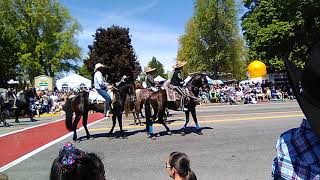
257	69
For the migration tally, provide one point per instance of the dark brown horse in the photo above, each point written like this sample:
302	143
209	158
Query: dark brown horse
158	101
80	105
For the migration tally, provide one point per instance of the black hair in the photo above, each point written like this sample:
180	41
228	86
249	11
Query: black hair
89	167
181	163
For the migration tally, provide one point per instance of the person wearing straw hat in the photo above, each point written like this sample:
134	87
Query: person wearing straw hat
149	79
298	149
101	86
178	82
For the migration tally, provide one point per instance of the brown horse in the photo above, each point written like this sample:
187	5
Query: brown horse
158	101
140	98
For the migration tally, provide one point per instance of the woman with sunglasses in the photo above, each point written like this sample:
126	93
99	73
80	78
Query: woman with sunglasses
178	167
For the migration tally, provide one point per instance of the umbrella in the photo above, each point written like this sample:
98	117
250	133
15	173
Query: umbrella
214	82
13	82
159	79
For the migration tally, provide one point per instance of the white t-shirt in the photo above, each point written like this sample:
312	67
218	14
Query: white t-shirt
98	80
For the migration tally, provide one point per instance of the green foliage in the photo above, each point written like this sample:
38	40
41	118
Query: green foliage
154	63
83	71
112	47
275	29
42	36
212	42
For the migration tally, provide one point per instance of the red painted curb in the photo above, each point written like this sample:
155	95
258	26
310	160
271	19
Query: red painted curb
18	144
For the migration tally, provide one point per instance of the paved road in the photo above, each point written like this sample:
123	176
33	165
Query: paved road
238	143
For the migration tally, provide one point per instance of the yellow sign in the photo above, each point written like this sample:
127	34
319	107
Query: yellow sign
43	82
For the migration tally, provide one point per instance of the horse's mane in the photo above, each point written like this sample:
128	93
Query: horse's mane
193	77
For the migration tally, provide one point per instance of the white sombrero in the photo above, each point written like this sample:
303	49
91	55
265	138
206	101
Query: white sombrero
179	64
97	66
149	69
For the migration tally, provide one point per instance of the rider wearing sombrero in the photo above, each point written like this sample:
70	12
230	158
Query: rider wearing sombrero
178	82
101	86
149	79
298	149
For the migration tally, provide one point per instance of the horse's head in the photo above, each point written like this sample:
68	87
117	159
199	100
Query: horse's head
198	80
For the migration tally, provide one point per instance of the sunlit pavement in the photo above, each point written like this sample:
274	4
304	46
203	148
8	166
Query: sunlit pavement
238	143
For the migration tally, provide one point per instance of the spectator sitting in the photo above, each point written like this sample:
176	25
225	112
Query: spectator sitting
178	167
75	164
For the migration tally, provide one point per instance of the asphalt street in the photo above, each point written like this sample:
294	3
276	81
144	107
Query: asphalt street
238	143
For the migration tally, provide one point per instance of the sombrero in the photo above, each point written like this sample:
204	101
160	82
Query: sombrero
97	66
179	64
149	69
305	86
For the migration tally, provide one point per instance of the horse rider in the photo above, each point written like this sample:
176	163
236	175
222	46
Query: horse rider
149	79
101	86
13	96
178	83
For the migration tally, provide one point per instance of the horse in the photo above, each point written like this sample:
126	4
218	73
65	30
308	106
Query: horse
4	110
81	105
23	102
141	95
159	101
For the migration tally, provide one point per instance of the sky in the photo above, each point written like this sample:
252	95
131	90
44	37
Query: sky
155	25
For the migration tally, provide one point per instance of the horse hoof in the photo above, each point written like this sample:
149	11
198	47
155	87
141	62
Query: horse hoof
90	138
17	121
183	133
200	133
169	133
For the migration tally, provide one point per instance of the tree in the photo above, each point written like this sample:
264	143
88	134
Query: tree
154	63
45	32
212	42
112	47
9	43
276	29
83	71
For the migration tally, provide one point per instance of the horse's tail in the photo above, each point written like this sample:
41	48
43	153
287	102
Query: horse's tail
69	114
127	105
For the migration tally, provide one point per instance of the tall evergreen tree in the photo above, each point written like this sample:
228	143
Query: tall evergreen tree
112	47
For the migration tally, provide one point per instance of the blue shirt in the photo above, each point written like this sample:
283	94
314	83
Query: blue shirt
298	154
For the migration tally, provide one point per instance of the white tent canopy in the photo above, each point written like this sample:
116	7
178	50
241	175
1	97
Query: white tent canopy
159	79
73	81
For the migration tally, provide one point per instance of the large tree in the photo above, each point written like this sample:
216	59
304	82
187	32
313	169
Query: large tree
112	47
45	32
275	29
212	42
9	43
154	63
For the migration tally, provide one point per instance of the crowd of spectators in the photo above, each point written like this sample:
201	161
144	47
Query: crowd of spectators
51	102
247	93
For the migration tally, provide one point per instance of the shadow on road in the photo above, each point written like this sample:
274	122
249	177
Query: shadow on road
117	134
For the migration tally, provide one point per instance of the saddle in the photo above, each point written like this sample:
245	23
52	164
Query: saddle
96	98
172	93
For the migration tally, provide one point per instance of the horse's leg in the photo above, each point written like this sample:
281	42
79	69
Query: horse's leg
194	116
16	113
85	122
161	120
31	115
113	123
119	116
186	123
74	126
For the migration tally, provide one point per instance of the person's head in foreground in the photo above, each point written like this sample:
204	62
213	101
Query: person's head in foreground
178	167
75	164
